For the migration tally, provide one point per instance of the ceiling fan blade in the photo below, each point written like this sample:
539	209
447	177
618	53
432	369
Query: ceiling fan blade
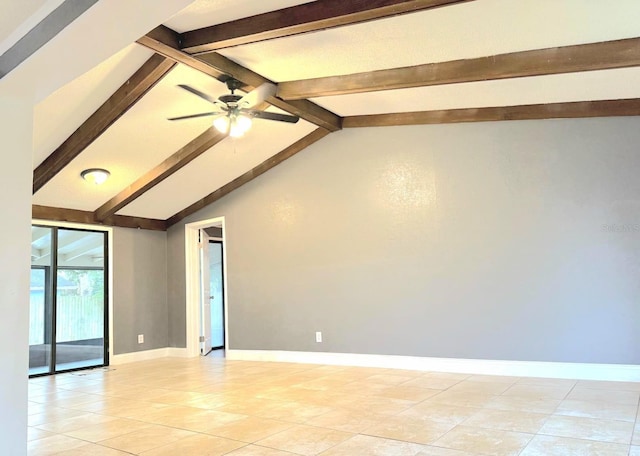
273	116
196	92
257	95
193	116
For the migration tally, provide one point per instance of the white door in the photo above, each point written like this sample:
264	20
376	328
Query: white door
216	279
205	295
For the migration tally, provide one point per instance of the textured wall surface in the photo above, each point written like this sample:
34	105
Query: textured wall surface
176	286
15	242
512	240
140	290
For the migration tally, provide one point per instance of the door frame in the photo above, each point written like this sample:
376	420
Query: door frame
192	283
109	291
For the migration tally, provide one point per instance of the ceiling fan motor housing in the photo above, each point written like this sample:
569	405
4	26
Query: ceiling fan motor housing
230	99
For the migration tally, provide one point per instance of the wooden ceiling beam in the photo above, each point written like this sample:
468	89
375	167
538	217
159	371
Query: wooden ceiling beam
262	168
59	214
308	17
567	59
178	160
165	41
151	72
572	110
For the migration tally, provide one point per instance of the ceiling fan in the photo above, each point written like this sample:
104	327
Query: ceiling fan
234	112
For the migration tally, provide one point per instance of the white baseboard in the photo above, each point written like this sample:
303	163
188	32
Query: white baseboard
175	352
147	355
577	371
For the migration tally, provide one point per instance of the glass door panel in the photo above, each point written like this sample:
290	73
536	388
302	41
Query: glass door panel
40	303
80	299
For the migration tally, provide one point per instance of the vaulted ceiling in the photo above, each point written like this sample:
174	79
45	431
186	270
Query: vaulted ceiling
337	64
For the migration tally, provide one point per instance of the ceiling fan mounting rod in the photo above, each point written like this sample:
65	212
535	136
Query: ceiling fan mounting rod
233	84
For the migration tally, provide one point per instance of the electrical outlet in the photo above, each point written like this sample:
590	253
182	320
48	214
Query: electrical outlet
141	338
318	336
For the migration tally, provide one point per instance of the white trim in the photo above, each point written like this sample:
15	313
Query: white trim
577	371
174	352
147	355
109	231
192	298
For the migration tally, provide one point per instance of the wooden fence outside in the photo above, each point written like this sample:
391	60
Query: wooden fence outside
79	318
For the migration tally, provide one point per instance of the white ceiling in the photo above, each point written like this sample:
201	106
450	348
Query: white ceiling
203	13
18	17
220	165
142	138
467	30
80	99
104	29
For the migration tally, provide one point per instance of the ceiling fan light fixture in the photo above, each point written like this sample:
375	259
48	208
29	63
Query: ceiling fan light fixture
96	176
222	124
240	125
236	125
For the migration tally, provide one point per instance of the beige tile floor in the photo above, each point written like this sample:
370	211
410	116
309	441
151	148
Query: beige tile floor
212	406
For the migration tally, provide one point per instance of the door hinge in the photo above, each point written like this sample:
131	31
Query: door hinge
202	339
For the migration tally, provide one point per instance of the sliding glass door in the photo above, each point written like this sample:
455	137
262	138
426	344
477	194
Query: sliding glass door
68	323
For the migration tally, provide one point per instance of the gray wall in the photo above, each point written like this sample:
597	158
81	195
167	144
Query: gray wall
140	292
176	287
214	231
511	240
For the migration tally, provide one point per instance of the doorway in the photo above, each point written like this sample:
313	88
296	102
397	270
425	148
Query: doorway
211	291
69	312
195	315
